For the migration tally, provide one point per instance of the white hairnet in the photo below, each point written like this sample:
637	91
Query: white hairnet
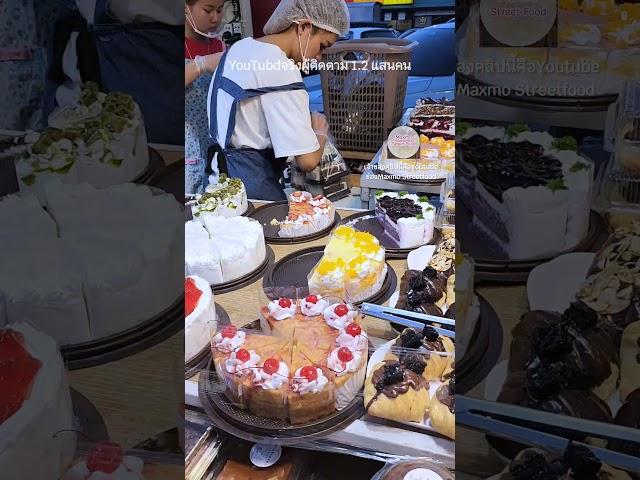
330	15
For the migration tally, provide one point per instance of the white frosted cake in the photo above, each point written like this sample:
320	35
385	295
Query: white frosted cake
199	315
100	140
407	219
528	191
79	279
35	406
307	215
223	249
227	198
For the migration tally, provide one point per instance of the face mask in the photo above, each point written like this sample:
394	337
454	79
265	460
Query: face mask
192	22
305	61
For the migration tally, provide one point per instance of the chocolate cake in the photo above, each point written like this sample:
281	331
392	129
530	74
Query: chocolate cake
420	290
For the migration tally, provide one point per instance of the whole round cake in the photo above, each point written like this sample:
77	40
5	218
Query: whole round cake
227	198
223	249
309	360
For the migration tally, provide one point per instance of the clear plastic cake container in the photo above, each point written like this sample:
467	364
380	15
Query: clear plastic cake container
417	468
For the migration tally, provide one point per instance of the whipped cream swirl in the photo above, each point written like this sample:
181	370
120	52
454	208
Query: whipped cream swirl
228	344
313	309
341	368
359	342
238	367
337	322
281	313
299	197
271	381
303	386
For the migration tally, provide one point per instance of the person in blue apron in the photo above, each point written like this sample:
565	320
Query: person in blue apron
258	107
203	48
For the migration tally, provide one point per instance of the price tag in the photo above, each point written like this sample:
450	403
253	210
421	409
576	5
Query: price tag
263	455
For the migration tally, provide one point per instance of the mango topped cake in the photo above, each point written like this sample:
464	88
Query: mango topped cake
352	267
309	360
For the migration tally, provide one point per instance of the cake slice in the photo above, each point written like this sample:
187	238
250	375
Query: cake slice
312	392
349	366
227	198
267	392
199	315
278	318
307	215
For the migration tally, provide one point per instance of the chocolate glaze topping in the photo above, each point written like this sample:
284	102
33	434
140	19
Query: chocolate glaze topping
393	379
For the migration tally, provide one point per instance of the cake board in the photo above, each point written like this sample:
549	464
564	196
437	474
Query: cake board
366	222
279	210
489	267
202	358
248	279
290	273
247	426
129	342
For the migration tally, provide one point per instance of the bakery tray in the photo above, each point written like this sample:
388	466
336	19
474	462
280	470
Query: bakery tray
367	222
201	359
493	269
155	165
245	425
129	342
248	279
279	210
483	352
290	273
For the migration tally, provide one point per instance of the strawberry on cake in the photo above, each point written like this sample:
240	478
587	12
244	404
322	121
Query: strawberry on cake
307	215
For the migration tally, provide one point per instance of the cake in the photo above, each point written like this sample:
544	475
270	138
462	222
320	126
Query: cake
199	315
78	279
352	267
423	291
227	198
442	412
437	350
434	118
223	249
100	140
416	468
307	215
35	405
396	392
234	470
408	220
576	462
309	361
529	193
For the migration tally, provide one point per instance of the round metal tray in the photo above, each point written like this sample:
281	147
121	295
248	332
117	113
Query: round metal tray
362	223
288	277
129	342
491	268
155	165
243	424
598	103
279	210
484	351
247	279
201	359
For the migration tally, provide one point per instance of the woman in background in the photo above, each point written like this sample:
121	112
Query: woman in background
205	20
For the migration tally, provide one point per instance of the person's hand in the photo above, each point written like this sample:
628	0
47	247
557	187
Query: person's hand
319	124
211	61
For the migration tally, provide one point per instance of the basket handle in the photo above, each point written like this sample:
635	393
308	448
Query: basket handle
374	47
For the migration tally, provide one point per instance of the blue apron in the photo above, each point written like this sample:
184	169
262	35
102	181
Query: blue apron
260	170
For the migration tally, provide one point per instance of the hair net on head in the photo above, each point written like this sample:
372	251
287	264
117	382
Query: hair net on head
330	15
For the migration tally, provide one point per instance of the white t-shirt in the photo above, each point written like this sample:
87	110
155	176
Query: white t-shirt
278	120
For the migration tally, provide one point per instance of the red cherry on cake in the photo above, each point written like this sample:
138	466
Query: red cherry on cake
341	310
344	354
312	299
243	355
284	303
104	457
229	331
271	366
353	329
310	373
